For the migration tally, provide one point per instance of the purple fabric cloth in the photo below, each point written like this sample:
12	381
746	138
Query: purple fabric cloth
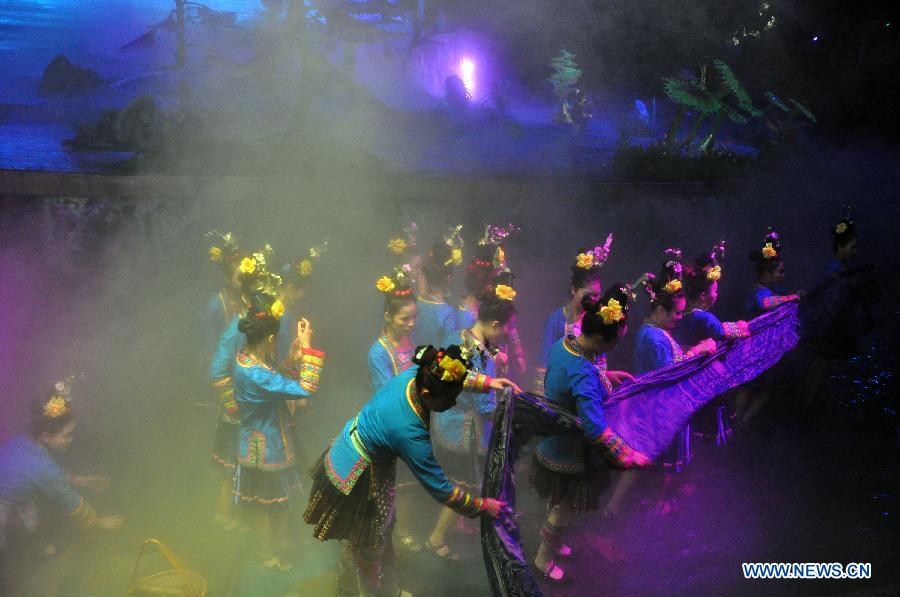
648	413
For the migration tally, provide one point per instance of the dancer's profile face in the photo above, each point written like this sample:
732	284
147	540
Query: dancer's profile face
711	295
593	289
59	442
671	318
403	321
847	251
232	281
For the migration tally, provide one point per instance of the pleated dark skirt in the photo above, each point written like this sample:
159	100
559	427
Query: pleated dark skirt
364	518
581	491
268	488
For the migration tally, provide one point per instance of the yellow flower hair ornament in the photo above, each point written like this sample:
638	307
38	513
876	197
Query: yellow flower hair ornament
584	260
397	245
714	273
56	407
384	284
673	286
215	254
768	251
504	293
248	265
453	369
612	312
305	268
277	309
841	228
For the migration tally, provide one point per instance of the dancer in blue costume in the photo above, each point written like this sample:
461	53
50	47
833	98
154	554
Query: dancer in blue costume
266	475
352	498
655	347
566	470
764	297
701	285
28	473
391	354
566	321
436	318
295	279
253	275
477	278
223	306
770	276
461	434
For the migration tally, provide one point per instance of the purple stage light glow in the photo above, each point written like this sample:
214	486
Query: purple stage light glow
467	74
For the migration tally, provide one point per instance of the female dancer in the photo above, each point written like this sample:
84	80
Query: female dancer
352	497
563	470
840	342
461	434
701	285
566	320
478	277
28	471
391	354
770	275
655	347
436	318
223	306
266	475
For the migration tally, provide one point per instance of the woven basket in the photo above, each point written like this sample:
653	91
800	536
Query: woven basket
180	581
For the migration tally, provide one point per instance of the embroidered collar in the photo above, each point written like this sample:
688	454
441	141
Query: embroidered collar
676	348
395	354
416	403
572	345
245	359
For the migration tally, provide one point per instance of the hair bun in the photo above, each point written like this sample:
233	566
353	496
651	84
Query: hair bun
424	355
245	325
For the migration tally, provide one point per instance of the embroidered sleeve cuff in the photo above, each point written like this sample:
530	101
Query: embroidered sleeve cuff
478	383
770	302
84	514
615	447
464	503
733	330
311	364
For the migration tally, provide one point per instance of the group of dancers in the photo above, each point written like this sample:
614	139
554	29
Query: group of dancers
437	372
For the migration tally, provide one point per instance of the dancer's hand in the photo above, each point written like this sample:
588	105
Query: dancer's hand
617	377
110	523
744	327
501	383
796	297
633	458
501	359
493	507
707	346
304	333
